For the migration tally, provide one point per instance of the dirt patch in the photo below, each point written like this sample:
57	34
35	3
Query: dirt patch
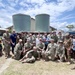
5	65
39	68
2	61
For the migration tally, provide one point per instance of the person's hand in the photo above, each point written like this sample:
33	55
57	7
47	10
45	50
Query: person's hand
13	43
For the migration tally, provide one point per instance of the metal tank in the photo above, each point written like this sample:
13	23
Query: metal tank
32	24
21	22
42	22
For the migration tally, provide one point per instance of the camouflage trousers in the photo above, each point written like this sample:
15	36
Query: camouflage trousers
51	55
7	51
29	60
69	55
62	58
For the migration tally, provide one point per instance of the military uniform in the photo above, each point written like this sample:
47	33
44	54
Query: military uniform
27	47
55	37
6	42
60	52
41	51
30	57
41	46
30	38
18	51
68	46
51	50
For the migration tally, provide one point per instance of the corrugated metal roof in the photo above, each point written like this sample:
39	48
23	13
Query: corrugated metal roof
2	29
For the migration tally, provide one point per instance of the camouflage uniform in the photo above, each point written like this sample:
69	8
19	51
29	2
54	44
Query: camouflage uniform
30	56
41	51
55	37
68	46
6	42
60	51
27	47
30	37
51	50
18	50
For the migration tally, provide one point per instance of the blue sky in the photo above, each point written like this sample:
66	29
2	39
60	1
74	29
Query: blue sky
62	12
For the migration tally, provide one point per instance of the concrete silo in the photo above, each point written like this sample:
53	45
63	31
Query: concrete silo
21	22
42	22
32	25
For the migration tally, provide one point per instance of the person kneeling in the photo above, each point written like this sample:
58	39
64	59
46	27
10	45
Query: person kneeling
18	50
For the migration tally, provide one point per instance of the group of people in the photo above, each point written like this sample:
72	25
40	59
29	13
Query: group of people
30	47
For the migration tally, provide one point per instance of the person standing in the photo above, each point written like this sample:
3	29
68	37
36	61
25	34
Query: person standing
37	40
60	36
46	40
68	47
13	38
6	42
55	37
73	47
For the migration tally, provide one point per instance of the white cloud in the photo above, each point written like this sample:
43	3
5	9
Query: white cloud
66	18
4	23
34	1
53	9
62	25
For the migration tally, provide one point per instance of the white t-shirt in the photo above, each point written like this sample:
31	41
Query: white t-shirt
37	41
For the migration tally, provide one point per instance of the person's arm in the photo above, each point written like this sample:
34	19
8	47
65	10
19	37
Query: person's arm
29	52
43	46
39	48
26	49
4	38
47	48
11	41
63	52
57	51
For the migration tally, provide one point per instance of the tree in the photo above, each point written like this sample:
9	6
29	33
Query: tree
70	27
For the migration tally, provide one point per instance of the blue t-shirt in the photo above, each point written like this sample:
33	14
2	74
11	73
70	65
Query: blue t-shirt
13	37
46	40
